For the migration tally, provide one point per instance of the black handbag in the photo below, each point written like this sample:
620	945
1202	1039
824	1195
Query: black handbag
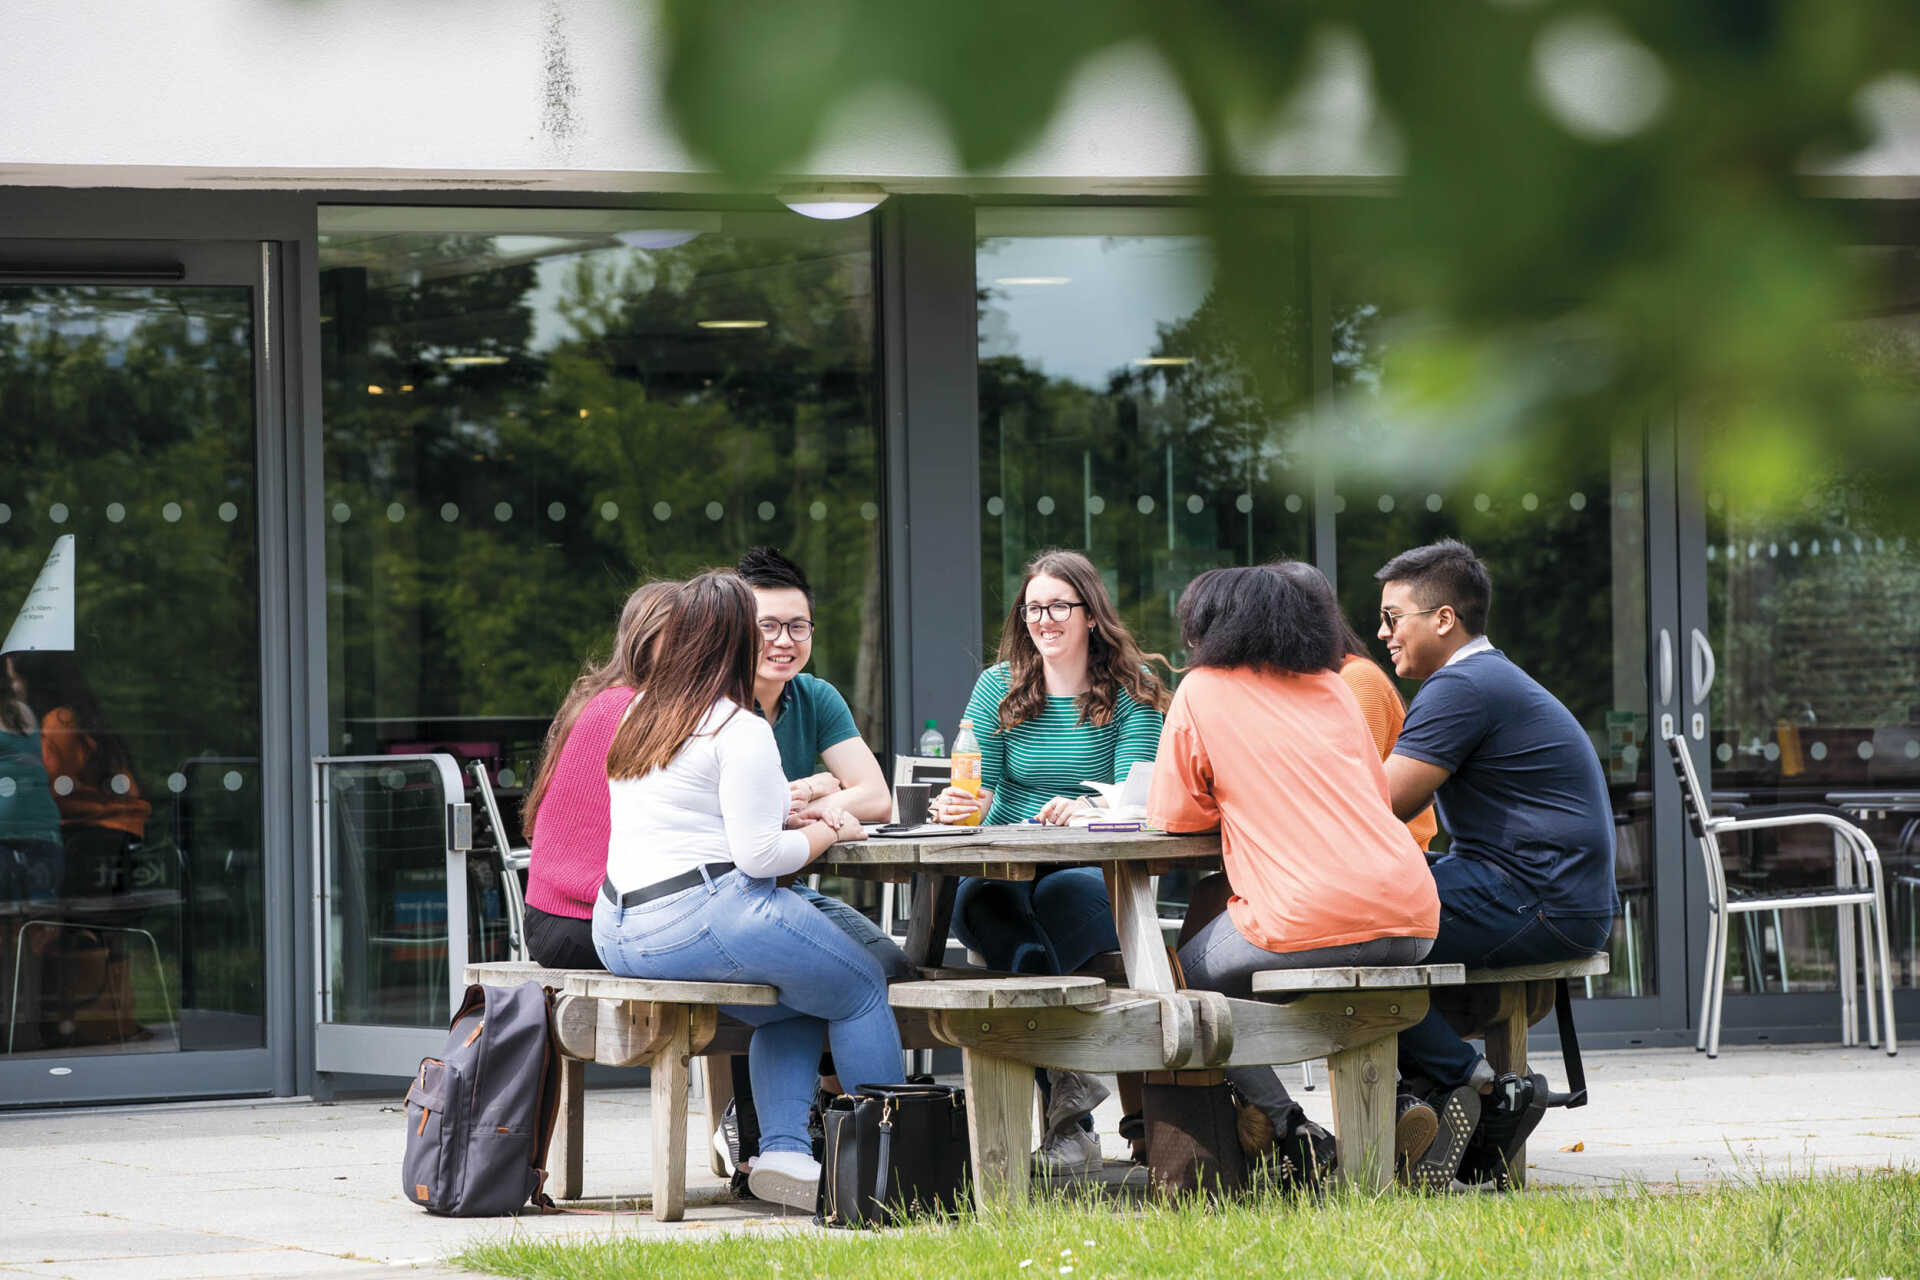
893	1151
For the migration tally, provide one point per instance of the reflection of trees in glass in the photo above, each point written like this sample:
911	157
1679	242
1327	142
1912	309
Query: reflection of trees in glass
1119	470
115	403
638	445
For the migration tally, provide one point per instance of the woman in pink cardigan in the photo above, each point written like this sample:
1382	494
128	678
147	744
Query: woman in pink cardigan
567	807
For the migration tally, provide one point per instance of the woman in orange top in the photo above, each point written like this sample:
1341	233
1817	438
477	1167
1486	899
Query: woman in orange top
1380	703
1265	743
102	813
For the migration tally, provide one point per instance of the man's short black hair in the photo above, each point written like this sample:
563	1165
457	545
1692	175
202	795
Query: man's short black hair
1445	572
767	569
1272	617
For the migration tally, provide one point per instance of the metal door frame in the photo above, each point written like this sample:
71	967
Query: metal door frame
48	250
387	1050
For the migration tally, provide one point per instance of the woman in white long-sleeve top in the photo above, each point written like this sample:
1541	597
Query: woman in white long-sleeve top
699	806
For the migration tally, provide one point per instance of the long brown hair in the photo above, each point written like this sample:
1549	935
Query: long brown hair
1114	660
712	633
626	667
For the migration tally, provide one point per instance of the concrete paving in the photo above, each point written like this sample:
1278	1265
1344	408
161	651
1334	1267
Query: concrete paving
312	1190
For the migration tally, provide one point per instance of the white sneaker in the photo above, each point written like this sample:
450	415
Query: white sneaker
787	1178
1072	1094
1066	1151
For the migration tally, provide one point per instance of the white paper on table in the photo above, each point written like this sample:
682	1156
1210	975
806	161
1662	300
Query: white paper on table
1126	801
45	621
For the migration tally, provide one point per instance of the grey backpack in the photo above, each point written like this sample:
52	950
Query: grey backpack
480	1116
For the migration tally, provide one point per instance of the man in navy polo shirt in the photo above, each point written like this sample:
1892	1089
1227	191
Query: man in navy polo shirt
1529	875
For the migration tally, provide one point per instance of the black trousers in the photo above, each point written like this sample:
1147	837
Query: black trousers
561	942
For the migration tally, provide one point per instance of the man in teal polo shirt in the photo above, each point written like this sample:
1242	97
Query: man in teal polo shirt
811	722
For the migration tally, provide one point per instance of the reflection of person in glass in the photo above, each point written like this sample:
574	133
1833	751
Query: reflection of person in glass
31	856
102	813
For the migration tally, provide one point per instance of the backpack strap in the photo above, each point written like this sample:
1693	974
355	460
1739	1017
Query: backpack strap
549	1107
1576	1095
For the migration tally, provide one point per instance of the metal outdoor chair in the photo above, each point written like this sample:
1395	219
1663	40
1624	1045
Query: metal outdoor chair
514	862
1857	883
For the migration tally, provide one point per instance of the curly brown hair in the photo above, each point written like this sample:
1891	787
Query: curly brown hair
1114	660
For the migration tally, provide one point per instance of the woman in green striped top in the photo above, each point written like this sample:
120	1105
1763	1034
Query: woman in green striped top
1070	699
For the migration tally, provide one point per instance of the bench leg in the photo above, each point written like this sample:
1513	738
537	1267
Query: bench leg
1507	1052
999	1127
669	1076
570	1127
718	1068
1363	1096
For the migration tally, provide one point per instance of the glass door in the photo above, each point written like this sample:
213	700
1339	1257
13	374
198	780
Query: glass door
133	879
1802	674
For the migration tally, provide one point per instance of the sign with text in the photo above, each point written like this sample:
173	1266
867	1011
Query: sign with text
45	621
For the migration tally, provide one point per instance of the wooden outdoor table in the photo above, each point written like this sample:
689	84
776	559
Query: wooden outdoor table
1130	860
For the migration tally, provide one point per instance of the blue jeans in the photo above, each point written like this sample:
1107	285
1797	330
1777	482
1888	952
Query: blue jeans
1487	921
1051	924
870	936
739	929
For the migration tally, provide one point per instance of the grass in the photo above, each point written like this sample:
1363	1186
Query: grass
1857	1226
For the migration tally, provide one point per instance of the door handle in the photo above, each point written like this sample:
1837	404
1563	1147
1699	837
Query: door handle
1703	667
1666	666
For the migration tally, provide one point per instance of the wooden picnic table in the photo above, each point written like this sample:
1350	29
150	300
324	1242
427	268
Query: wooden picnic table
1130	859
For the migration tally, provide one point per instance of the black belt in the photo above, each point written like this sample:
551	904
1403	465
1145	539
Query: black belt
661	888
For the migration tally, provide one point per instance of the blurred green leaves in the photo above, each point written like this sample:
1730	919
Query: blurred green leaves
1602	215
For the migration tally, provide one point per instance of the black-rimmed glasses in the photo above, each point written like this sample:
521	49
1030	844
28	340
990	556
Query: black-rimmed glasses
1389	619
1059	610
799	630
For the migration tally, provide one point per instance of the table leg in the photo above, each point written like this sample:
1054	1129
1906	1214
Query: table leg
930	918
1136	919
999	1127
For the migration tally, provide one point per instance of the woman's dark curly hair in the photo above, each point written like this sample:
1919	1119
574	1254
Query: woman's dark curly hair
1278	617
1114	658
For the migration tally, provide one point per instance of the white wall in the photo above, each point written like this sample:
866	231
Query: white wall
566	94
556	93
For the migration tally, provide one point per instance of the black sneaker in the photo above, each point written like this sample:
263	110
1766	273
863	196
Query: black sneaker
1511	1113
1457	1112
1414	1127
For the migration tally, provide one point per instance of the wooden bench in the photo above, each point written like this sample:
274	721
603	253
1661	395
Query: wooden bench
1494	1005
661	1025
1363	1074
635	1022
1004	1027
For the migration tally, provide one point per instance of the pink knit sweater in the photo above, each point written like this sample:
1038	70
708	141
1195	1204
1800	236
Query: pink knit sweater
570	830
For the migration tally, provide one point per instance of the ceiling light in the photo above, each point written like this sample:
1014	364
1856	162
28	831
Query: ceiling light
463	361
663	228
832	202
1157	362
1034	280
665	238
732	324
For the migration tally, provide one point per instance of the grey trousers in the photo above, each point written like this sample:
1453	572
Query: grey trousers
1219	958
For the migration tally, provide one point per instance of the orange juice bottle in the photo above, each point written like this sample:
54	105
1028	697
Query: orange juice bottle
966	767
